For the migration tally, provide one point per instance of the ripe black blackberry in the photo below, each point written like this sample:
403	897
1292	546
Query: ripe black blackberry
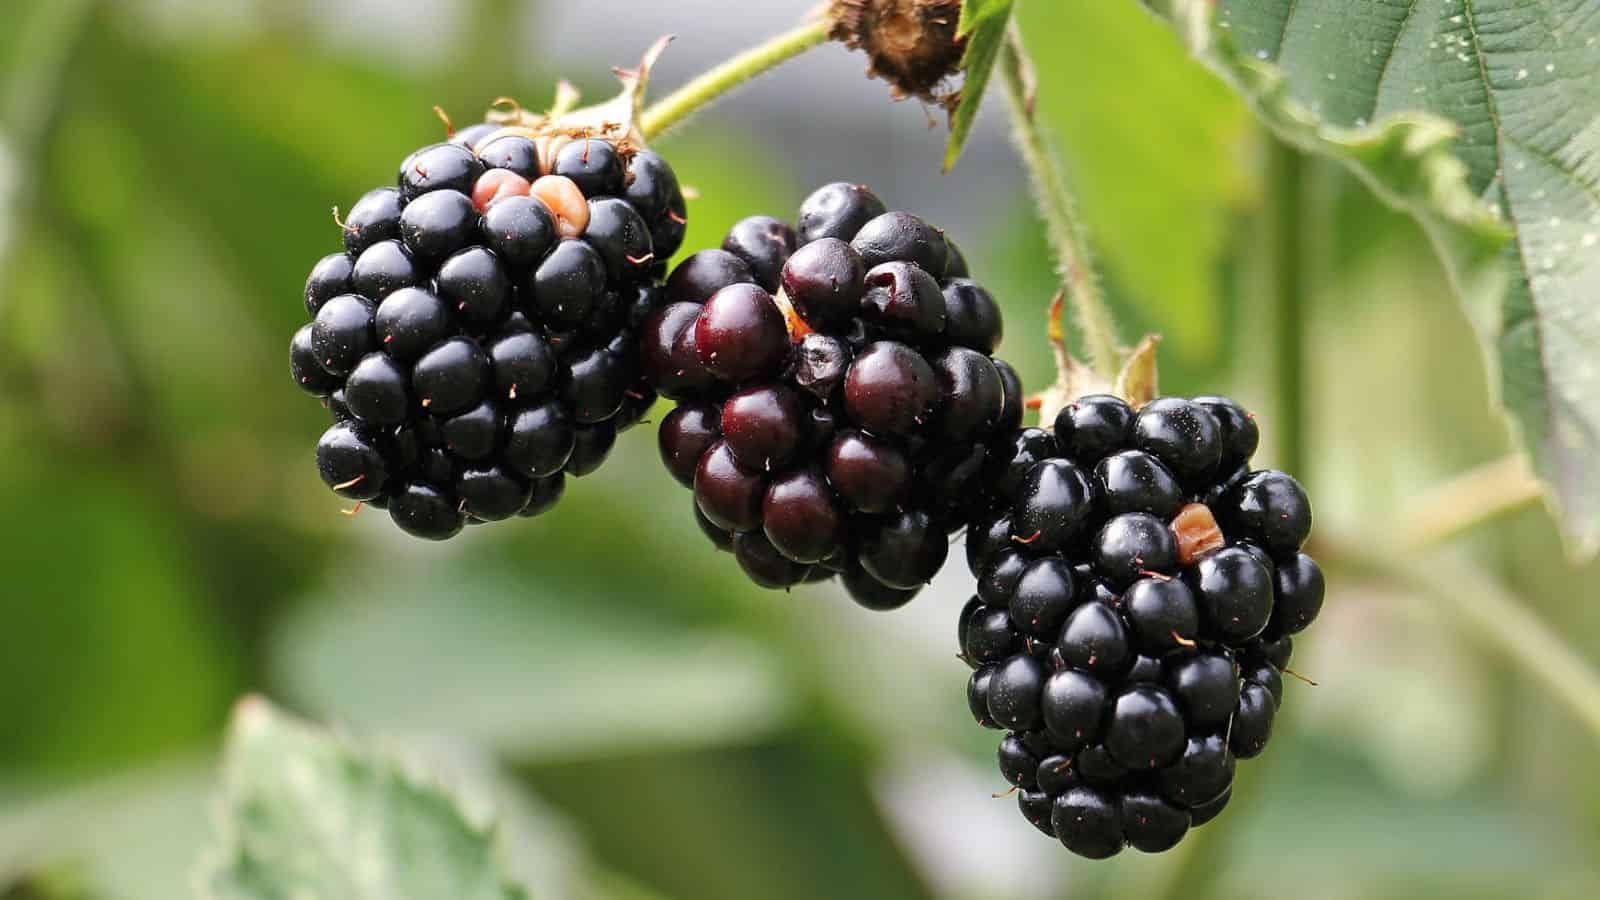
475	339
840	426
1138	587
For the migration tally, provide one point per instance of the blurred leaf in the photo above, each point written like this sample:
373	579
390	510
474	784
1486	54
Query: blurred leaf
307	815
62	883
1440	110
135	836
1154	150
35	52
534	669
1335	824
130	837
110	654
787	820
983	25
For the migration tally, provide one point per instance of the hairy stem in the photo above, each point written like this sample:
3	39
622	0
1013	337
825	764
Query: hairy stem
1060	213
692	97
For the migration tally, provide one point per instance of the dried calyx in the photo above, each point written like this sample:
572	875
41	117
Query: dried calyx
1137	381
616	120
912	44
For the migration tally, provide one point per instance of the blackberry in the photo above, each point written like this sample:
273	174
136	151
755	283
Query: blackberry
476	340
1137	589
846	421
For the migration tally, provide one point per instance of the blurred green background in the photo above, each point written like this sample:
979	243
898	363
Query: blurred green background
166	173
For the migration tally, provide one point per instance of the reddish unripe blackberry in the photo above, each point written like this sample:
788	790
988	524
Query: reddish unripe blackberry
1136	560
873	594
685	435
801	517
890	389
824	282
900	236
820	365
970	393
903	550
764	426
851	426
740	334
904	301
763	564
729	494
477	340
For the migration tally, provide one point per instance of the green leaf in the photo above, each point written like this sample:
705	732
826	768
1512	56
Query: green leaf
1477	118
308	816
1154	180
497	660
983	23
102	624
131	836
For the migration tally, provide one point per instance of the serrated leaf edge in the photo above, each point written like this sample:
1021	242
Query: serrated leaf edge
965	28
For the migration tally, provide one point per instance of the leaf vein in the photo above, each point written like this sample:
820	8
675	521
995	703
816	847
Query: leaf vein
1283	36
1545	387
1383	72
1555	162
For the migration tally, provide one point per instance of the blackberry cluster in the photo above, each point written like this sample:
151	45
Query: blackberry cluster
841	426
1138	587
475	341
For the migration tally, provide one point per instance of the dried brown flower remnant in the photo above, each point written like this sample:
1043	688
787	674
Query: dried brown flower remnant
912	44
1197	533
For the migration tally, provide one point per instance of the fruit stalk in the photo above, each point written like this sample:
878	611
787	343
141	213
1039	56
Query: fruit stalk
1060	213
689	99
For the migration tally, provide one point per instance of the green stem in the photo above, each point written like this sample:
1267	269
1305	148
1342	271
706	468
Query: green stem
1286	180
1491	614
689	99
1470	499
1060	213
